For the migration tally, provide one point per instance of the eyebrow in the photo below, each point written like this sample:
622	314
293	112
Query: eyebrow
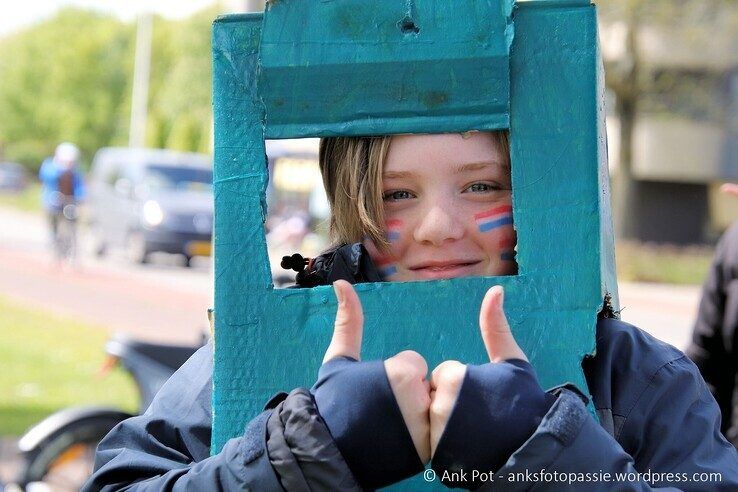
469	166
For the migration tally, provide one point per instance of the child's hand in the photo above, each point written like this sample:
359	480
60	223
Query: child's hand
381	429
479	415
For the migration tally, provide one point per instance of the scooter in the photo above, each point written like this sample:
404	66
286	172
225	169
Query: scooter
58	453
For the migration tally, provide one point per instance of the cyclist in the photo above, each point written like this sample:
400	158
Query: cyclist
62	189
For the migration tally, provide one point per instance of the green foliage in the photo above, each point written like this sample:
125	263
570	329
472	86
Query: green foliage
70	78
63	79
667	264
182	96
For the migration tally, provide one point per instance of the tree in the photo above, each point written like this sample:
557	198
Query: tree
183	91
68	78
64	79
641	85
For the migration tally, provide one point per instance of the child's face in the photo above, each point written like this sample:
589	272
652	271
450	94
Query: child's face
448	208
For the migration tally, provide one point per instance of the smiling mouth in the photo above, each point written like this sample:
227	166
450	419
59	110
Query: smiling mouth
444	267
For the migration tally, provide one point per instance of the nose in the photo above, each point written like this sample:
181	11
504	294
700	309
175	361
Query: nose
438	225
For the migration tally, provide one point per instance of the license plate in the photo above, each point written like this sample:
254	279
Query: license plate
198	248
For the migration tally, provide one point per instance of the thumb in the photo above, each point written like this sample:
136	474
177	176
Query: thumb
349	324
496	334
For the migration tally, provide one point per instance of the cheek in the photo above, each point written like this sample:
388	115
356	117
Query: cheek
506	243
495	232
395	231
387	262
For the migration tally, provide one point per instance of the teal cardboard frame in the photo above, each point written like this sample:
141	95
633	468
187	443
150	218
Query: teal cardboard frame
350	67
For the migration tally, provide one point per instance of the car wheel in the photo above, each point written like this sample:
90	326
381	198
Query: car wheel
136	248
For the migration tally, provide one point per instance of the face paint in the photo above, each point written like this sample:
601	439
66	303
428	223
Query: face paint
493	218
393	230
508	255
447	207
386	263
507	248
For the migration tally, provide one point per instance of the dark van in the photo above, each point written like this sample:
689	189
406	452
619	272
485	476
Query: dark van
151	200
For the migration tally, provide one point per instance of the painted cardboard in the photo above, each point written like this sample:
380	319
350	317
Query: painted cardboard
351	67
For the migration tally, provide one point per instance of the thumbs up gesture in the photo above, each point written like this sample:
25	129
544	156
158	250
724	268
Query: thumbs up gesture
479	415
376	411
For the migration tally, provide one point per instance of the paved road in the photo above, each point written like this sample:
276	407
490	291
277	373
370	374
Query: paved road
665	311
162	301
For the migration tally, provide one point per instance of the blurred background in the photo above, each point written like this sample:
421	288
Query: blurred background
130	253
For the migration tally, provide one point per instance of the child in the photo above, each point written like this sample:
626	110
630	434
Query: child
408	208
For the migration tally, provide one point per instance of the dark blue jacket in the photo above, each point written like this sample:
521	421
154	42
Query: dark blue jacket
714	346
657	417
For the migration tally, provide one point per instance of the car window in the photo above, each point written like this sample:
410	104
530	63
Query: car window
178	178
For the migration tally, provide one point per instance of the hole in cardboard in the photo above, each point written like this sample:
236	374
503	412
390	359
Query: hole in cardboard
446	201
407	26
298	209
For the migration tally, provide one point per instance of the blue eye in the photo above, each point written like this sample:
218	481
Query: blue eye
482	187
393	196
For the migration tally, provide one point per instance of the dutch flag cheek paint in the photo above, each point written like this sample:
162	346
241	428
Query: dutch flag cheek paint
386	266
506	246
494	218
393	227
386	263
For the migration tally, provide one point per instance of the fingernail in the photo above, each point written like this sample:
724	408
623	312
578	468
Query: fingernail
496	291
339	292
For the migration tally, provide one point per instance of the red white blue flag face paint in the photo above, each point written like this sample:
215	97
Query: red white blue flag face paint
507	248
494	218
393	230
386	266
386	263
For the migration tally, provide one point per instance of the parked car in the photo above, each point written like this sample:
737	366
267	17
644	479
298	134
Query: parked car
13	177
151	200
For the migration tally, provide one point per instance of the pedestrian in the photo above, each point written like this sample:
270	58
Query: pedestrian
714	346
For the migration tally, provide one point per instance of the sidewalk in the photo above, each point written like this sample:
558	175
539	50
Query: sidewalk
665	311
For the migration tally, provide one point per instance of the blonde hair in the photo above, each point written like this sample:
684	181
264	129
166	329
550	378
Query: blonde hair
352	177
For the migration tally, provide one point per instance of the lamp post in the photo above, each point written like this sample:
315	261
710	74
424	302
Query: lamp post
141	70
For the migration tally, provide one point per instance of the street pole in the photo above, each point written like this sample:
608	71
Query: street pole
141	70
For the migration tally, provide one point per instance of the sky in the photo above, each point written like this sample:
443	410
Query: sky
16	14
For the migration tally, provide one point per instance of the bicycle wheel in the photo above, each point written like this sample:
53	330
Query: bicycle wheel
66	459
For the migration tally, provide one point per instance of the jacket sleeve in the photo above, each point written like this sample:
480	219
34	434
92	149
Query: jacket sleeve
302	450
679	447
168	447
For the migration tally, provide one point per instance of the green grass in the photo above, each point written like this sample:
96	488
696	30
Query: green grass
28	200
50	362
637	262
